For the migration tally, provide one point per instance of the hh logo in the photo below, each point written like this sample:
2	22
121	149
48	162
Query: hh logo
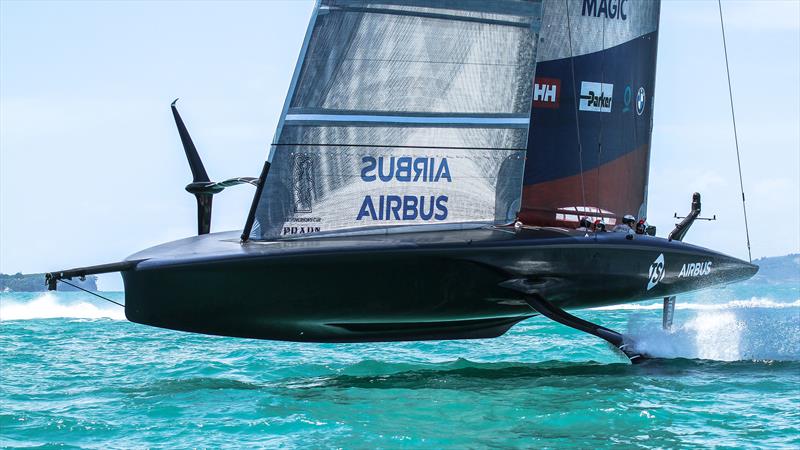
546	92
657	272
303	182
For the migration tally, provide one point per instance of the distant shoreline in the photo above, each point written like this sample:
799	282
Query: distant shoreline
34	282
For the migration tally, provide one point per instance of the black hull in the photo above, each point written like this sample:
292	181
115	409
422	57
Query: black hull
416	286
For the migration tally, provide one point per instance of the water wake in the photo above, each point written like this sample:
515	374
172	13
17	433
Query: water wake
755	302
49	306
732	332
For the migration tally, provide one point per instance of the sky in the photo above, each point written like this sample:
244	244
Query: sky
92	169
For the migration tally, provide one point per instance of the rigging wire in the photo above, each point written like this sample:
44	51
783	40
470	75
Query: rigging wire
576	96
735	135
600	132
93	293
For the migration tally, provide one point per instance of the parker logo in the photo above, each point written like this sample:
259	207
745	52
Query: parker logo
546	92
607	9
697	269
657	272
595	96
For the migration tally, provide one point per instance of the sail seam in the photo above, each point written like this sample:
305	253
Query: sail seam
432	147
421	61
396	12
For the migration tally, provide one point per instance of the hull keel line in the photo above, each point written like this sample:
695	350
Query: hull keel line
557	314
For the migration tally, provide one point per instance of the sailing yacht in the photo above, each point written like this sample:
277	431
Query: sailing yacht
430	169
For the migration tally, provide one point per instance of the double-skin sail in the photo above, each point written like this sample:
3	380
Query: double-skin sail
403	112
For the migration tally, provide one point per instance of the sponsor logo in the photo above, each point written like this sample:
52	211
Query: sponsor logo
406	207
546	92
657	272
304	225
300	230
627	99
640	100
404	169
697	269
607	9
596	96
303	182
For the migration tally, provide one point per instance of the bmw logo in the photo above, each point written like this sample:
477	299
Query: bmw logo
640	101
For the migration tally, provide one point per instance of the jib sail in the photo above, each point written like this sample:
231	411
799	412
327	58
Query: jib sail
589	141
403	112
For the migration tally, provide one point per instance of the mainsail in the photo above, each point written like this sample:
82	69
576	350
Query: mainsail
403	112
589	141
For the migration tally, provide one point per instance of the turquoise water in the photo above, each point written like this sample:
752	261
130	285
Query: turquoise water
76	374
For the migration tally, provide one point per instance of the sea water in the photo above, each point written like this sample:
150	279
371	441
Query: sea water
75	373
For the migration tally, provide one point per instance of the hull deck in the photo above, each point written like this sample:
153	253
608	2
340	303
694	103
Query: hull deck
413	286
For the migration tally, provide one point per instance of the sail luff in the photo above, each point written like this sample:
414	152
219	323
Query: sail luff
295	76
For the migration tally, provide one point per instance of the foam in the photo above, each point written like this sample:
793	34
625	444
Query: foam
754	302
49	306
725	333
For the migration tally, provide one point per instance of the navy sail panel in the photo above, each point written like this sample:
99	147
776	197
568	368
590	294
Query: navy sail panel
589	142
403	113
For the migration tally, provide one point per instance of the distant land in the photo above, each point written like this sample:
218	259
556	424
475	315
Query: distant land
34	282
778	268
772	269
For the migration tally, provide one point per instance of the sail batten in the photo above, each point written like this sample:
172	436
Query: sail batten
429	15
486	120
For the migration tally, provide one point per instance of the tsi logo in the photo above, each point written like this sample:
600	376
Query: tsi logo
546	92
697	269
657	272
596	96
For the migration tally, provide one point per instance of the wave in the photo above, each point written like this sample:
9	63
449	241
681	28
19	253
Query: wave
183	385
754	302
49	306
465	375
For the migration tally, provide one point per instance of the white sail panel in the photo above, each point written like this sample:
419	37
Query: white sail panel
403	113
